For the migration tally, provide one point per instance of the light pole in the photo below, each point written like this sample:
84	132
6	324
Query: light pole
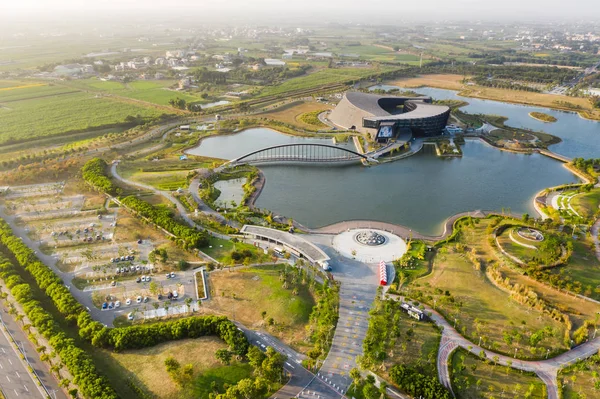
479	341
516	353
547	353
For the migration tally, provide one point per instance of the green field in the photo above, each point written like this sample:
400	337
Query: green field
156	92
473	378
581	379
57	114
322	77
245	293
17	93
587	204
460	290
394	337
146	367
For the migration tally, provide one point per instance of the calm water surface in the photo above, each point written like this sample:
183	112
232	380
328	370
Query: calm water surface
419	192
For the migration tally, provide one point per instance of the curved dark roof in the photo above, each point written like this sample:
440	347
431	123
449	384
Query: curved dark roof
373	104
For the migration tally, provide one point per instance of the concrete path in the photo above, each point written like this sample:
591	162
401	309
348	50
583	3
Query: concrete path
547	370
207	210
596	237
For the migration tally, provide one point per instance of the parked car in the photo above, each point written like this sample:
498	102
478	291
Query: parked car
137	280
169	295
118	270
148	279
130	316
139	299
128	301
113	283
175	295
117	304
143	279
172	274
168	275
111	305
159	296
104	305
146	299
140	241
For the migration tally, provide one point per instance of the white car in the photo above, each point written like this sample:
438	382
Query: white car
172	274
137	268
148	278
130	316
175	295
117	304
168	275
128	301
143	279
139	299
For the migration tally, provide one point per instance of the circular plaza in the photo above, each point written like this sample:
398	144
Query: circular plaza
369	245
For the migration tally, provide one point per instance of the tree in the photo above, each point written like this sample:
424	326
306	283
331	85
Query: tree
355	375
224	356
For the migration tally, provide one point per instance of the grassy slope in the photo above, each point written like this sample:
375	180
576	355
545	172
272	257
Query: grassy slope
259	289
147	366
494	380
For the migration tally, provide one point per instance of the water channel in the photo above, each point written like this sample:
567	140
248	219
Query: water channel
420	191
580	137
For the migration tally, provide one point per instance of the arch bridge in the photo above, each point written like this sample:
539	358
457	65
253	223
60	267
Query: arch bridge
301	152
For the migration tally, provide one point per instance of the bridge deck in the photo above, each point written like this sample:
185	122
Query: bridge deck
306	248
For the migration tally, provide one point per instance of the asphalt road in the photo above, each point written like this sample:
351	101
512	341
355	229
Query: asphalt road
15	380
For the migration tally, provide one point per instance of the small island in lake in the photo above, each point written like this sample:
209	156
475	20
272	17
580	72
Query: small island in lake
540	116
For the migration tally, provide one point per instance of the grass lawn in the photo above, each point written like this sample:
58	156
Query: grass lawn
222	249
581	379
486	310
584	267
587	204
167	181
473	378
147	366
259	289
403	339
290	113
156	92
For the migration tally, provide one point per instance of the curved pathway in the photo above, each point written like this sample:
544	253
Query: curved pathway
180	208
596	237
546	370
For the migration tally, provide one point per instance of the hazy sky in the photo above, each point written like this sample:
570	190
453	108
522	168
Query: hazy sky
371	11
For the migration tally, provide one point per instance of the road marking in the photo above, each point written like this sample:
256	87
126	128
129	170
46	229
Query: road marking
8	378
25	386
16	393
3	351
1	366
289	365
18	376
10	361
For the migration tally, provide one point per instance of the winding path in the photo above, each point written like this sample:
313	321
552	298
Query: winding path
546	370
180	208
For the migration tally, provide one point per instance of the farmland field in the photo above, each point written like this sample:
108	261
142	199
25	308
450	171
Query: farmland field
156	92
322	77
55	114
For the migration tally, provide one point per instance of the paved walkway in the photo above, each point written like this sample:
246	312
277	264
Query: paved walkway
547	370
596	237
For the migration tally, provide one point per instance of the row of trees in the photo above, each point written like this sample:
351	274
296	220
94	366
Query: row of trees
323	320
94	173
162	217
143	336
78	362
